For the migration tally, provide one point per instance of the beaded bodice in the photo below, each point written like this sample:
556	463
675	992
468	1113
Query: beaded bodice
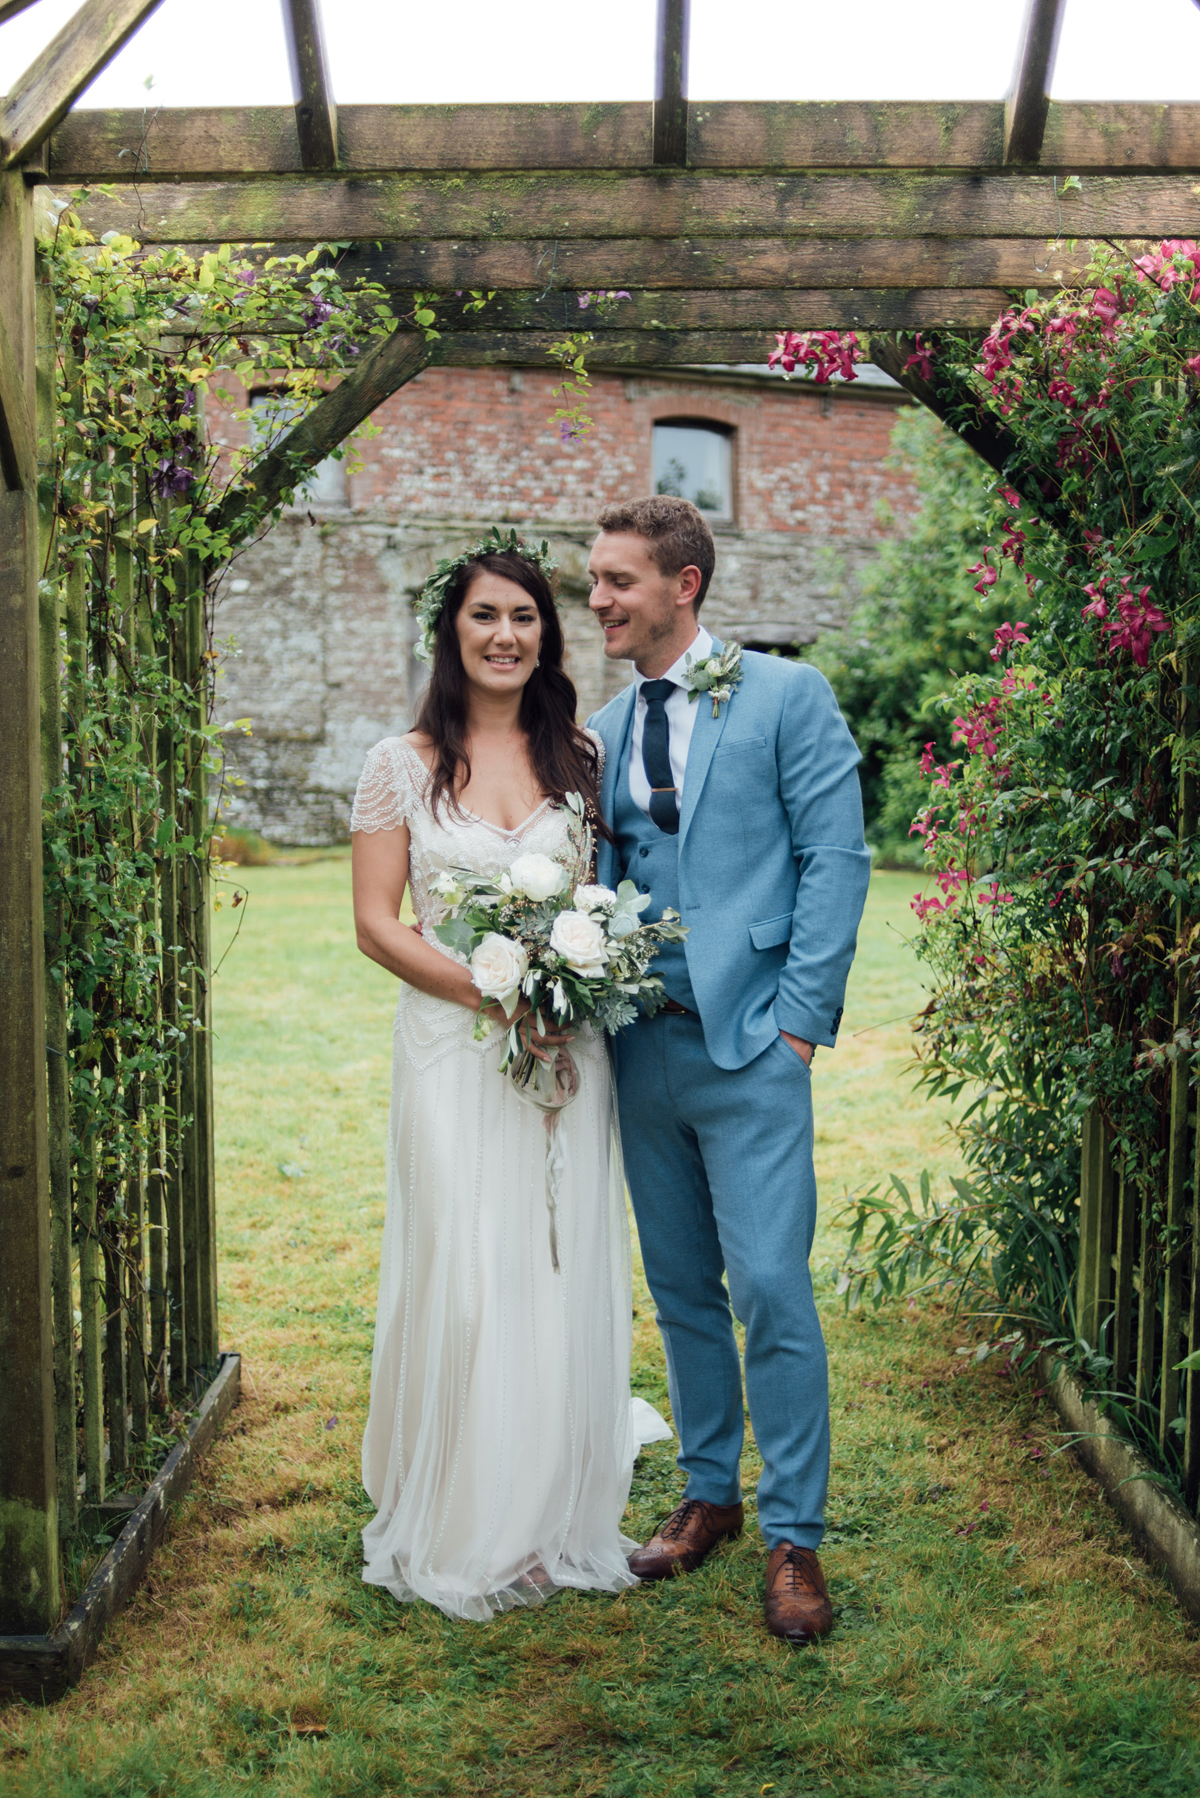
394	790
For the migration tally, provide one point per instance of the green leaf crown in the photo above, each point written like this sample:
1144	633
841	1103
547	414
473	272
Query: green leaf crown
432	596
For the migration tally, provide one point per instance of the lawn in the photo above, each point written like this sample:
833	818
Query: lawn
995	1634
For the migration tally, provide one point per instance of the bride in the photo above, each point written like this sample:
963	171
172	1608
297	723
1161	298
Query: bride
501	1435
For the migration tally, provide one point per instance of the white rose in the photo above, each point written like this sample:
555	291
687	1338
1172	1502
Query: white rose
595	898
580	942
537	876
498	967
446	887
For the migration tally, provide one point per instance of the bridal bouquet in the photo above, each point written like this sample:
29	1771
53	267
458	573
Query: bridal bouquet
576	952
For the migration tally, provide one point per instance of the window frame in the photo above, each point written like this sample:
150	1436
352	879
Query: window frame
717	427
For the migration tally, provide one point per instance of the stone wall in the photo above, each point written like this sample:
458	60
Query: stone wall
319	612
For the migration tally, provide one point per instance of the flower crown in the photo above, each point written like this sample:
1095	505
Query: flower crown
432	596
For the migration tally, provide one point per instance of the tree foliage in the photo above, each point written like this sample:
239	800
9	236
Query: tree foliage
919	627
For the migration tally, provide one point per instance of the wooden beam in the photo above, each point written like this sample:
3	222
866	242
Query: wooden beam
711	265
670	83
755	310
389	366
1028	104
316	114
50	85
203	143
11	8
685	349
996	447
669	204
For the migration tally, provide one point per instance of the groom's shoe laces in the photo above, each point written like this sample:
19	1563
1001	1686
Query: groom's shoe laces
678	1521
797	1572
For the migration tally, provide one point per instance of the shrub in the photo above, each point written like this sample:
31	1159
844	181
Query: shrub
919	627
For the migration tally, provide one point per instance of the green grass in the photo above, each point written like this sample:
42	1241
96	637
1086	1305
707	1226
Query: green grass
996	1634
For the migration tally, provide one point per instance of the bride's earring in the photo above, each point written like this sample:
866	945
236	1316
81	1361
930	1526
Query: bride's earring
538	663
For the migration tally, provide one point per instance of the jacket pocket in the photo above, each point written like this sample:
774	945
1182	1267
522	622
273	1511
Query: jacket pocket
731	745
772	931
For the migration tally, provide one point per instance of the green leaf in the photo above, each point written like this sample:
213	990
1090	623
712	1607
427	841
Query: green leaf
1151	549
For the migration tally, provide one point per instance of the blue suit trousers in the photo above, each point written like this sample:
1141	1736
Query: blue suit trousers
720	1171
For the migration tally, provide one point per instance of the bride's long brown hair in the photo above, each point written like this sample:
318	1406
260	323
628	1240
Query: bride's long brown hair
563	757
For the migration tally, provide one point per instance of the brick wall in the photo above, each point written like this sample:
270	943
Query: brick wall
321	611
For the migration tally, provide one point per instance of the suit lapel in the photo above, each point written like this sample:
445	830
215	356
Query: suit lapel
616	747
706	734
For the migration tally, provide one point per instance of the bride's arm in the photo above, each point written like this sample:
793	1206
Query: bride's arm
379	860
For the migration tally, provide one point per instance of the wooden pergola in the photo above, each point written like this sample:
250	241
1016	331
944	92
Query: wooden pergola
725	221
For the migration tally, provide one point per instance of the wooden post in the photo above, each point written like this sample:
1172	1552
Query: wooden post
29	1569
200	1214
1094	1278
1174	1249
173	1003
57	1074
1176	1235
91	1279
1191	1439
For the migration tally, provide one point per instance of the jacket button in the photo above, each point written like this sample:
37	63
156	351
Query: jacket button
643	850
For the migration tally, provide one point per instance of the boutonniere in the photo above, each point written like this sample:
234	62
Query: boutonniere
716	675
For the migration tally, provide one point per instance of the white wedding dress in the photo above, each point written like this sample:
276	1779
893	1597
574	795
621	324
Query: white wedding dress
501	1436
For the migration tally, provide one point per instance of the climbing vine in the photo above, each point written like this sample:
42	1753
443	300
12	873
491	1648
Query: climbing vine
137	529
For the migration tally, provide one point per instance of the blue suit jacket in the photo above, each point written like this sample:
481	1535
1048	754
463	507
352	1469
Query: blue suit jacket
773	869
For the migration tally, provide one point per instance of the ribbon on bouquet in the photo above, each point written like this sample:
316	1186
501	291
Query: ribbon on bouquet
556	1167
550	1086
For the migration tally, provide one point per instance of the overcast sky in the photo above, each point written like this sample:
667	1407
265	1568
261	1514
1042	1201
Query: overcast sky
230	52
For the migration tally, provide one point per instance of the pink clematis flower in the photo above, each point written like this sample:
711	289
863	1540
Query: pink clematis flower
921	360
988	576
1006	636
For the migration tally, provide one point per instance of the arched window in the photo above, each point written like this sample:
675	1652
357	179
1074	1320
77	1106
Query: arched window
695	461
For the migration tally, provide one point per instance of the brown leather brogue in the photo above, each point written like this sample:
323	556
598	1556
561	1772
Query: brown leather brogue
797	1603
688	1535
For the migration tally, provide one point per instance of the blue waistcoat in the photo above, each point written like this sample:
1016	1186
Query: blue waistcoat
650	858
769	862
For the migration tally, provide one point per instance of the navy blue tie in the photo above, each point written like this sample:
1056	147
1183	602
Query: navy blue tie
656	756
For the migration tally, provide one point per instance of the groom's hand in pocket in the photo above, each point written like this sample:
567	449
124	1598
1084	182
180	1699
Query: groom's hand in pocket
804	1050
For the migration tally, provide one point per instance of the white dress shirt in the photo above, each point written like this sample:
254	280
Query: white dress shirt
681	721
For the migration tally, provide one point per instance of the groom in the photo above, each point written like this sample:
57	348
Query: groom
750	825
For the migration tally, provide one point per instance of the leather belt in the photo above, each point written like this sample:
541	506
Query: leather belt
675	1009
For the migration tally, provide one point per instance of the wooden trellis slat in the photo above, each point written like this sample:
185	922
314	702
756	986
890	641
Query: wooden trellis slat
670	204
199	1216
201	143
1094	1290
670	117
1124	1295
316	114
1028	103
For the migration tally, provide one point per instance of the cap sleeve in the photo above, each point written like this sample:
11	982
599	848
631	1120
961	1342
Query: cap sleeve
383	797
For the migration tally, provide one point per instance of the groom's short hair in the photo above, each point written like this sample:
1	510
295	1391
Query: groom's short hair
676	531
